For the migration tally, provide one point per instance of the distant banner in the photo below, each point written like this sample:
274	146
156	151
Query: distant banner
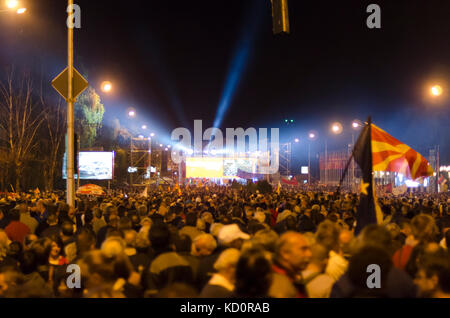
290	182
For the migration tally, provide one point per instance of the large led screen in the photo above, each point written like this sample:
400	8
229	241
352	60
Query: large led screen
93	165
204	167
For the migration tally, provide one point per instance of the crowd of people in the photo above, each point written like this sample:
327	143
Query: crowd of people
220	242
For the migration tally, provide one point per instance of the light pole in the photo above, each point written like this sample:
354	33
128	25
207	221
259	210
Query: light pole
70	114
311	136
356	124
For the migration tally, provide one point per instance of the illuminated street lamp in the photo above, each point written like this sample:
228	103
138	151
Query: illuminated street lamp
106	87
297	140
336	128
131	113
144	127
436	90
21	10
152	135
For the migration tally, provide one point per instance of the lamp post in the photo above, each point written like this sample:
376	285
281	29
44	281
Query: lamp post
311	136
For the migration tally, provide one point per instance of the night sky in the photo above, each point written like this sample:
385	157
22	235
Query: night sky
176	61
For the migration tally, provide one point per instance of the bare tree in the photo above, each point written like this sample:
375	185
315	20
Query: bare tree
56	128
20	120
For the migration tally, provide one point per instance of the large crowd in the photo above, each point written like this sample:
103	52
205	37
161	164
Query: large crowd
222	242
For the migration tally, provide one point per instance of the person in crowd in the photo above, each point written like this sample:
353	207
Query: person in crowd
292	255
318	283
327	235
221	284
253	274
167	267
16	230
26	218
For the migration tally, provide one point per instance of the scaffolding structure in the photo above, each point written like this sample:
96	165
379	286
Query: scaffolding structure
140	160
285	159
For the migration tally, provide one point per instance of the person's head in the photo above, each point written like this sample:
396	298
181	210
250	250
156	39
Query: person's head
97	269
130	238
183	243
375	235
293	252
232	236
327	234
113	246
40	205
432	274
14	215
253	274
57	246
226	263
159	236
207	217
125	223
52	219
41	249
267	239
201	226
191	219
204	244
29	239
319	257
67	229
423	228
361	264
85	242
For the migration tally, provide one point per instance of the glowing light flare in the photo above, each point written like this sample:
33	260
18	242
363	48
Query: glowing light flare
312	135
336	128
297	140
436	90
21	10
106	87
11	4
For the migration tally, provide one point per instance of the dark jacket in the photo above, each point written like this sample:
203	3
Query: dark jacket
398	285
168	268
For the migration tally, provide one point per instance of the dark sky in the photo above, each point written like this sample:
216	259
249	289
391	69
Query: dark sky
172	60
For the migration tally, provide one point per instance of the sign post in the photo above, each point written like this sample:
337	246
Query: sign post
70	84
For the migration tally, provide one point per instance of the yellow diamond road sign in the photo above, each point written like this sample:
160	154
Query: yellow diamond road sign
60	83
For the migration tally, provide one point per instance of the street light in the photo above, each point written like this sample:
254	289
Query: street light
131	113
436	90
312	135
144	127
297	140
21	10
106	87
152	135
336	128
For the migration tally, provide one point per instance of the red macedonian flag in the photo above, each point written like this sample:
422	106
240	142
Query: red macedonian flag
389	154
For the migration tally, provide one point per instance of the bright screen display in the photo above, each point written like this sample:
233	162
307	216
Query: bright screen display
203	167
93	165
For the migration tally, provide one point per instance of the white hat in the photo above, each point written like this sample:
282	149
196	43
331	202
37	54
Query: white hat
229	233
